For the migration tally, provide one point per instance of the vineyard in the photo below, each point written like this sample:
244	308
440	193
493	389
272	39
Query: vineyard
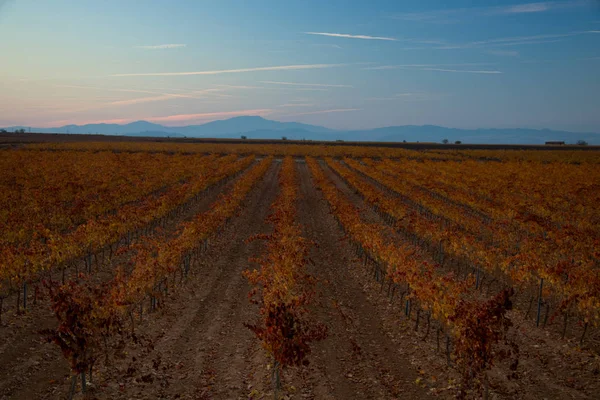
236	271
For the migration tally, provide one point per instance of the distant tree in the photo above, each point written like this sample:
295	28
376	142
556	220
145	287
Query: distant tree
20	130
244	137
582	143
339	140
404	141
458	142
445	141
284	138
3	131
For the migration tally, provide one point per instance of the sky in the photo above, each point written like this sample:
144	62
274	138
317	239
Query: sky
340	64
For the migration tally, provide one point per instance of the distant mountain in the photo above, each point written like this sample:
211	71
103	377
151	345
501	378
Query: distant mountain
238	125
157	134
255	127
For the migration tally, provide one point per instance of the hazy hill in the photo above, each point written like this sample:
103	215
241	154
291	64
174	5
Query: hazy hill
255	127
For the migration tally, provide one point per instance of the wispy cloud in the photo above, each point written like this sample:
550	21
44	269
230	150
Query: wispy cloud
159	96
331	46
462	71
337	110
162	46
516	39
503	53
455	15
106	89
86	122
208	116
409	96
347	36
397	66
240	87
296	105
161	92
172	120
144	100
235	71
305	84
297	89
526	8
512	41
438	68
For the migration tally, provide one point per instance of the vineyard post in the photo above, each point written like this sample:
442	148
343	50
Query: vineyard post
276	378
448	349
418	317
73	384
83	383
585	326
18	300
539	307
566	320
24	295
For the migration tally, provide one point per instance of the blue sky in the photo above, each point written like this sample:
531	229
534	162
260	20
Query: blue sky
341	64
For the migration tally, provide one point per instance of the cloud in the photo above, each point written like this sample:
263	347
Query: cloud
162	92
383	67
526	42
240	87
107	89
334	46
462	70
160	96
145	100
324	112
235	71
86	122
162	46
516	39
417	96
513	40
345	35
205	117
538	7
455	15
305	84
503	53
296	105
208	116
436	67
527	8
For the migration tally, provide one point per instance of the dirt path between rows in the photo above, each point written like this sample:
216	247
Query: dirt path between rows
199	348
356	361
33	368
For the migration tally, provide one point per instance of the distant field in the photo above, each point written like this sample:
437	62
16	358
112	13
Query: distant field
200	268
70	138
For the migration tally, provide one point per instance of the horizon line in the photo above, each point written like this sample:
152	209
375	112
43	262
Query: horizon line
123	123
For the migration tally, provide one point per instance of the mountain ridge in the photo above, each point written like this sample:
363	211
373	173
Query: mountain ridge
256	127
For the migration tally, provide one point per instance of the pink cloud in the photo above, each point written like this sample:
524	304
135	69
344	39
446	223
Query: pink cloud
205	117
169	120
